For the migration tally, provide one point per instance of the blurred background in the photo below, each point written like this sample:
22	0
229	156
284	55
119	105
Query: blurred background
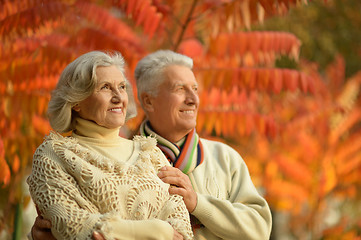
280	82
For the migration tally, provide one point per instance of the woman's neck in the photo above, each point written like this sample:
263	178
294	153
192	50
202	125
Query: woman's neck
90	129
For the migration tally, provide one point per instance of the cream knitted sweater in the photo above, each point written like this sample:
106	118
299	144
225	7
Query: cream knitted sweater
96	180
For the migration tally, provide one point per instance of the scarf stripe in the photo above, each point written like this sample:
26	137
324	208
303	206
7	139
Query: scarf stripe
187	157
186	165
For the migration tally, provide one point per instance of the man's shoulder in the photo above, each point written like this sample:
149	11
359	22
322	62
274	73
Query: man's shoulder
214	146
214	143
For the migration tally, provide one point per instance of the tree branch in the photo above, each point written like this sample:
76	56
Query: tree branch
185	25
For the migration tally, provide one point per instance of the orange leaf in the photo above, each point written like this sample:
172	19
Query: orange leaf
222	45
348	165
263	77
201	118
41	125
286	191
254	44
218	124
149	18
241	125
294	170
192	48
249	124
142	12
131	7
276	81
271	128
4	168
290	79
16	164
303	82
328	178
214	97
209	124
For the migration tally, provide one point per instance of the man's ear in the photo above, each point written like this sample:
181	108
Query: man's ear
147	102
76	107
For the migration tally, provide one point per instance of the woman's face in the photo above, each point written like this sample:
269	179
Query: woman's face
107	106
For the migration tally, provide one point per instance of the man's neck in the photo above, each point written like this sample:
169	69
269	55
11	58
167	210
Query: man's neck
173	137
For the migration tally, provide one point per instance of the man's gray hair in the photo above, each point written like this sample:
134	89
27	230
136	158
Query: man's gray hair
149	70
77	82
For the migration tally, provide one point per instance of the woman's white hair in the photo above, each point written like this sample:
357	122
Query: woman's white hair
77	82
149	70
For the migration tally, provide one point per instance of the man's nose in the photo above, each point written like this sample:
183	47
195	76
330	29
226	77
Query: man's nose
191	97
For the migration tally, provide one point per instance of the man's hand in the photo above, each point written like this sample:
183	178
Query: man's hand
177	235
42	229
97	236
181	185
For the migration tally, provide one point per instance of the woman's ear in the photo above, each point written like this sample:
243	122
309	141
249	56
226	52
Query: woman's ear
76	107
147	102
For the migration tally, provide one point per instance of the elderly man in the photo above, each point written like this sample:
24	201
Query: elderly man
211	176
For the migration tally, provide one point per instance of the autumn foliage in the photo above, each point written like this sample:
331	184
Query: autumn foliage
299	130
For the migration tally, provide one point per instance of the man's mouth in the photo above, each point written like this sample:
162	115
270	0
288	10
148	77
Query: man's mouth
188	111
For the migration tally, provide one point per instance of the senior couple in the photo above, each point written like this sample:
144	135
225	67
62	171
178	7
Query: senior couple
167	183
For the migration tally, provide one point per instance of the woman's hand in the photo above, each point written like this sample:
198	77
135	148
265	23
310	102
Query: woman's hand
183	185
177	235
41	229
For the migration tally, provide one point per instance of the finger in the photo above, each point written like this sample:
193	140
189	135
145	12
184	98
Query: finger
42	223
177	236
170	171
179	182
179	191
98	236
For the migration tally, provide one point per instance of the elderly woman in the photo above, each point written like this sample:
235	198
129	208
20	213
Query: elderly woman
94	180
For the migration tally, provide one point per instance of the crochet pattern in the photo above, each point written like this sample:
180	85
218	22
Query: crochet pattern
80	190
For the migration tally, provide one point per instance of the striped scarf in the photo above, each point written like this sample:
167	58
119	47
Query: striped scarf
187	157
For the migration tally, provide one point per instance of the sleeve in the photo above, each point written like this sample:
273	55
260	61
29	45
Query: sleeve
245	214
120	229
55	193
174	210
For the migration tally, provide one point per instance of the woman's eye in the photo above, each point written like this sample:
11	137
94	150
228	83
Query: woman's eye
105	86
122	86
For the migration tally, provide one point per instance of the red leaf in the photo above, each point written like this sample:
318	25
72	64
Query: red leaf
290	78
192	48
276	81
303	82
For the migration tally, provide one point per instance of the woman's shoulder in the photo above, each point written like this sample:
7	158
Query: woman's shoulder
146	143
150	153
57	137
55	140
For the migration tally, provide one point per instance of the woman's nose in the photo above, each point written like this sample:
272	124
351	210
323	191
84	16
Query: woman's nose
117	97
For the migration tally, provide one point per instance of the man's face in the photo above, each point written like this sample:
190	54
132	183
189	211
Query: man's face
174	109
